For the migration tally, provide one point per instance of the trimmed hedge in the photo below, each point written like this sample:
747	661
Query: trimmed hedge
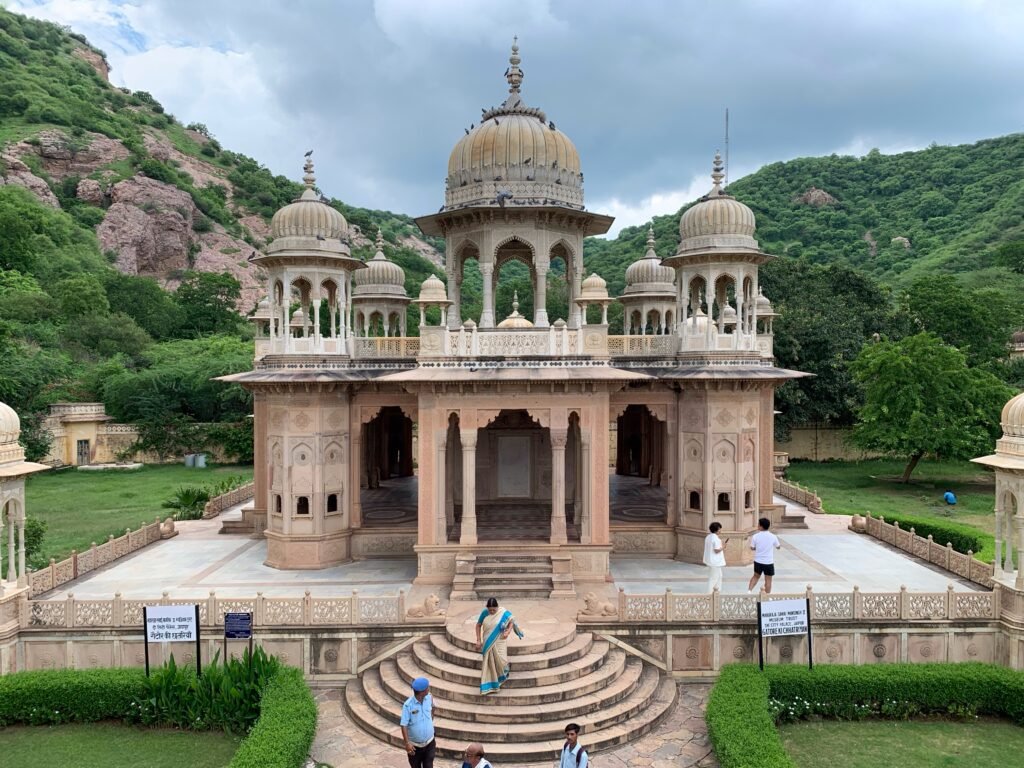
284	732
50	697
281	737
740	718
964	538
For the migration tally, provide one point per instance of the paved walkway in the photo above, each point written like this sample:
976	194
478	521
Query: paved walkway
679	741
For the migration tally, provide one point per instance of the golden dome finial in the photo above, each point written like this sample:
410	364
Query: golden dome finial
514	74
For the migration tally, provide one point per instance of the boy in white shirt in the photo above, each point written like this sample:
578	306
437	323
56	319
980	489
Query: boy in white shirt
764	545
714	557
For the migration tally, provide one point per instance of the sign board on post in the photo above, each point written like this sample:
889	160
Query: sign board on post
237	626
777	618
172	624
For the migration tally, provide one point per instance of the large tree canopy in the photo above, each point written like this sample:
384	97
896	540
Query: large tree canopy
920	397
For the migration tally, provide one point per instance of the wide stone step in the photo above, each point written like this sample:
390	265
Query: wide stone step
445	649
486	569
509	744
399	673
436	667
466	640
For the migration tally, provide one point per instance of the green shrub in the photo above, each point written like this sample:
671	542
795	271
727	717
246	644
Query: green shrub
51	697
188	502
745	703
963	538
284	732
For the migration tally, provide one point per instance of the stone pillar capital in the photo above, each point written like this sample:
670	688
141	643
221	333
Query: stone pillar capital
559	437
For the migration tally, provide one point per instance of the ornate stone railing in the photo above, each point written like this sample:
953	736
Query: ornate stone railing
944	556
796	492
522	342
387	346
830	606
81	563
268	612
643	346
218	504
77	409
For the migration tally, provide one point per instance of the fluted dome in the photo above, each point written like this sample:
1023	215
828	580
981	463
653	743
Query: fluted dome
1013	417
308	216
648	274
594	288
381	276
10	425
515	320
262	310
432	291
718	221
515	156
763	305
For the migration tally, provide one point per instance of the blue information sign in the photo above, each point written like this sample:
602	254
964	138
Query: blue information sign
237	626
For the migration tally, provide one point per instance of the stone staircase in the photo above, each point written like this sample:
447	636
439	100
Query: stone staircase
502	575
572	676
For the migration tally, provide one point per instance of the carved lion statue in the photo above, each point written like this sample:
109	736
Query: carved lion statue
431	607
595	607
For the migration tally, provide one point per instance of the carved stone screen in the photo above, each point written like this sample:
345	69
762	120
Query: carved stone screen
514	466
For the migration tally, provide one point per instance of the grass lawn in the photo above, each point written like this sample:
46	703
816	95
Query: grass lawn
81	507
859	487
109	745
871	743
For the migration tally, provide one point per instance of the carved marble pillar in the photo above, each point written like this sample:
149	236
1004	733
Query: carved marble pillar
316	325
558	440
1018	522
440	488
1008	544
585	479
997	561
487	313
355	484
468	437
540	299
11	562
23	574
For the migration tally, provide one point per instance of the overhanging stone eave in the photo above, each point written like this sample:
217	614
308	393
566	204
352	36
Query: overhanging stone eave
707	255
726	373
999	461
597	223
524	373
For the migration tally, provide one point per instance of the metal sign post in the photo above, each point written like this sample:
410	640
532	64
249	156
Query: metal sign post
237	626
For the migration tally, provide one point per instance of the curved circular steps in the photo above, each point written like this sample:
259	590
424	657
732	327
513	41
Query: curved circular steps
571	676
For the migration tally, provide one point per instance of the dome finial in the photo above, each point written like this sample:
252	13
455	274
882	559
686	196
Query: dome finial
650	243
716	174
514	74
380	246
515	302
309	178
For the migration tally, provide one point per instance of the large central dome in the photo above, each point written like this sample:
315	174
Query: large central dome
515	156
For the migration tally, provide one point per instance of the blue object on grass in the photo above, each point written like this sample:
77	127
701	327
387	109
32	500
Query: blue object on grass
949	497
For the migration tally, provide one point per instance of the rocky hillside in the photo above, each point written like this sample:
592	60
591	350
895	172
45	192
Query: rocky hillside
163	198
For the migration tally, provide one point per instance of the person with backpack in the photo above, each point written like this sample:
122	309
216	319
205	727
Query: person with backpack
573	753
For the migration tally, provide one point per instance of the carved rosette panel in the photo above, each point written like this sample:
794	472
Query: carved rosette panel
85	562
283	611
40	581
94	613
131	612
644	608
48	614
378	610
737	607
332	611
833	606
880	606
919	548
691	608
64	571
928	606
974	605
120	547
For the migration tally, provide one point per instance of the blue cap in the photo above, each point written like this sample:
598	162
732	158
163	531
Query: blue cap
420	684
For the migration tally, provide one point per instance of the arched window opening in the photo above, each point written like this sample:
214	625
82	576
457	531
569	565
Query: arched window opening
724	502
302	505
332	502
694	500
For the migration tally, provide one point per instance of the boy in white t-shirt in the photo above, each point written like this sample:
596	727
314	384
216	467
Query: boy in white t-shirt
764	545
714	557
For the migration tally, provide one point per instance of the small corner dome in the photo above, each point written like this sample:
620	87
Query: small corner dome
381	275
763	306
433	291
649	269
515	320
718	220
1013	417
594	287
308	216
262	310
10	425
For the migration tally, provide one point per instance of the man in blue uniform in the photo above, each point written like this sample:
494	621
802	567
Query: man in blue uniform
418	725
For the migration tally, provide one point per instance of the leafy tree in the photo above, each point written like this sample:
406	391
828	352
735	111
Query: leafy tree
207	303
920	397
80	296
107	335
1011	256
142	299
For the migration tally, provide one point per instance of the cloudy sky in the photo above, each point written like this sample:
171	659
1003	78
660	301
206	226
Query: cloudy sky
383	89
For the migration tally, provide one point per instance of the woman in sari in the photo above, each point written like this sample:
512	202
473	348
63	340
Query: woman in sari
492	629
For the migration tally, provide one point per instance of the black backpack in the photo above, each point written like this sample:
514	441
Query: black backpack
579	755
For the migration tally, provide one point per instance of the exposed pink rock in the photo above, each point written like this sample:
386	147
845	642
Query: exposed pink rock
816	197
872	243
94	60
62	156
905	242
256	224
19	174
89	191
203	174
424	249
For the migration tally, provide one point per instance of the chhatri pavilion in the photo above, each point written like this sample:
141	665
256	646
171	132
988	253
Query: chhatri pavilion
483	436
